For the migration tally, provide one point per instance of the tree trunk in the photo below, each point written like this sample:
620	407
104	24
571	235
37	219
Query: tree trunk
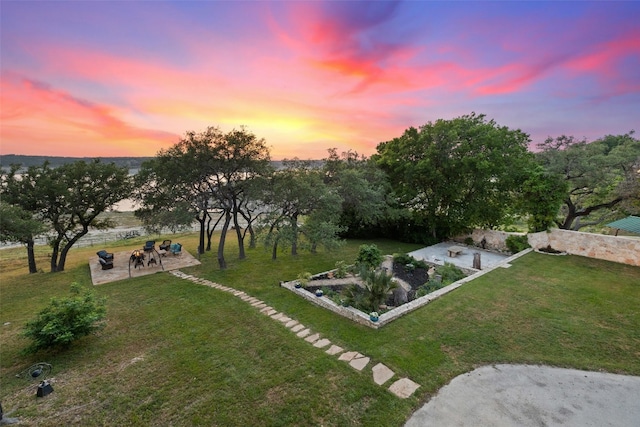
252	237
223	236
239	235
31	256
274	251
55	248
294	235
211	230
202	233
65	250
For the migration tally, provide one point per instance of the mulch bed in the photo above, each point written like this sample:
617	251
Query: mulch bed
416	277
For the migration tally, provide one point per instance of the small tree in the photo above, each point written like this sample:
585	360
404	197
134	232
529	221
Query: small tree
65	320
369	256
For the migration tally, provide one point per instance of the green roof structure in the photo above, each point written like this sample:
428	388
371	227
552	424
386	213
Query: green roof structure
630	223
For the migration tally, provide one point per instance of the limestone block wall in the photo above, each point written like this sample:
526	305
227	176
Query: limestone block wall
495	240
624	250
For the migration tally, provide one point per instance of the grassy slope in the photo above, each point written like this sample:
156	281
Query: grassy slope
177	353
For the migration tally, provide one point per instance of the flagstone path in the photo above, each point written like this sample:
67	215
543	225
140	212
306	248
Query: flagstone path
381	374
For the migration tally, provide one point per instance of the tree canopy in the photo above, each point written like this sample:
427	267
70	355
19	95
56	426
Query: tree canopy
67	199
297	201
602	177
208	173
457	174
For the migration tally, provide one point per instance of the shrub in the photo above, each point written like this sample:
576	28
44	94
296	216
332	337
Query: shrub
450	273
427	288
469	241
375	290
303	278
369	256
65	320
341	269
403	259
517	243
406	259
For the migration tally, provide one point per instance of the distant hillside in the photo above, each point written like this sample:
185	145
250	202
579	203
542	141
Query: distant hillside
129	162
26	161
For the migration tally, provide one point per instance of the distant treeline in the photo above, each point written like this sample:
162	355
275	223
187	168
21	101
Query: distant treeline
26	161
129	162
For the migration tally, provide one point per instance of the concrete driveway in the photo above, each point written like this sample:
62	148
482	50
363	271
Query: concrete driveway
523	396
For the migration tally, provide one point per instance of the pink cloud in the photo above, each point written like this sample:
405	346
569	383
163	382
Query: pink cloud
34	111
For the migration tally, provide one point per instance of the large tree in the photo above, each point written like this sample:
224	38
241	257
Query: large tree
602	177
68	199
173	187
207	174
364	188
297	201
456	174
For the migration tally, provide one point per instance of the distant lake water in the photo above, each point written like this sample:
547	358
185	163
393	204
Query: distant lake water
126	205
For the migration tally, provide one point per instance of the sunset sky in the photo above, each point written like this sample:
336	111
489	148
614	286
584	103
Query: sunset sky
129	78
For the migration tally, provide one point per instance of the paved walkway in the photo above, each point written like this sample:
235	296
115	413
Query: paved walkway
525	395
380	374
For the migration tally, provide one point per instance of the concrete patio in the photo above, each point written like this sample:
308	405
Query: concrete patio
438	254
121	270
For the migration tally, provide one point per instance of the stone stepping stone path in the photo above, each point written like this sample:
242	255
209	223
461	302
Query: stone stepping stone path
381	374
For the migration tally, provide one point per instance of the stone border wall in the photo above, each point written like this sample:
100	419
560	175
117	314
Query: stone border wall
624	250
391	315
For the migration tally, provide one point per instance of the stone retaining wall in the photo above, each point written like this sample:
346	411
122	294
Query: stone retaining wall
389	316
625	250
494	239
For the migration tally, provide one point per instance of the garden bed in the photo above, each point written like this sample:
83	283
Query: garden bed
417	296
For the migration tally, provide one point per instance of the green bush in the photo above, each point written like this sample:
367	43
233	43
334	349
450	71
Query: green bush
469	241
427	288
303	278
341	270
369	256
517	243
406	259
375	290
65	320
450	273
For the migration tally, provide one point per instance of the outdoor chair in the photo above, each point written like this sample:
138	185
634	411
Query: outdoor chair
107	256
106	265
149	246
176	249
166	244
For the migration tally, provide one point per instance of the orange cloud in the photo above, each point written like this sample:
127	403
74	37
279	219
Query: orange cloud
54	122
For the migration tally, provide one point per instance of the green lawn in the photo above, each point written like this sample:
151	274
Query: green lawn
178	353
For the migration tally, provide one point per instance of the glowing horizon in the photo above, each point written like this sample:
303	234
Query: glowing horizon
114	79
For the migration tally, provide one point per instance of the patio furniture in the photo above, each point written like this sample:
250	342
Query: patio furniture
176	249
454	251
165	245
137	259
106	265
149	246
107	256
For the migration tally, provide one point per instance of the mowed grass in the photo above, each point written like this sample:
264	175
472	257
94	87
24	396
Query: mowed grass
178	353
